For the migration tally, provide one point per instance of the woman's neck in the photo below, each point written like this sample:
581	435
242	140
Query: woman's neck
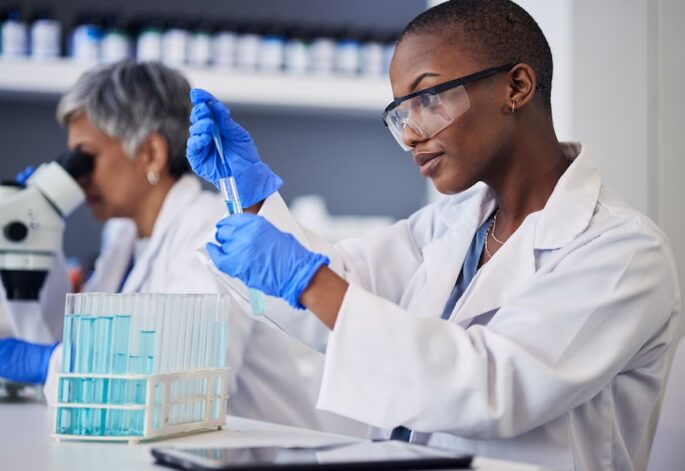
534	170
149	208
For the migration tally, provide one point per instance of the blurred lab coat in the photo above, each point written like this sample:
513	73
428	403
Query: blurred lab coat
554	355
264	382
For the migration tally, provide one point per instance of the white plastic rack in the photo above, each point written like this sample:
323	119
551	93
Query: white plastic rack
175	403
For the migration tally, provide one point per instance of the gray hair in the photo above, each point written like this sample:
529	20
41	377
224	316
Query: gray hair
127	101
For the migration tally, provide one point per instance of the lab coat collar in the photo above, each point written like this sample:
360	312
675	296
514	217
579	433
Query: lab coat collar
567	213
571	205
181	194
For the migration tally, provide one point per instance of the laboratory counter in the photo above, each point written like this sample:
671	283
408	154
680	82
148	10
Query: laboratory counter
26	444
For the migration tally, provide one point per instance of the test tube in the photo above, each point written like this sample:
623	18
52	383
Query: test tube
121	325
229	190
101	364
68	387
84	364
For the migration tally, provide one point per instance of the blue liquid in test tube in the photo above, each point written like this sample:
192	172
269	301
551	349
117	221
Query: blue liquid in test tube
121	326
68	388
146	366
84	364
230	192
102	355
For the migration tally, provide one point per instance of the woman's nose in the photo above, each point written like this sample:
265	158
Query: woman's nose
412	134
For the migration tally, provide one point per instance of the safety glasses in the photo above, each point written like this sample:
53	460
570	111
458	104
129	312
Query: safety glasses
429	111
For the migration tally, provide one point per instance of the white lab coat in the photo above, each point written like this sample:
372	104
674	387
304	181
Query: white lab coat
264	382
554	355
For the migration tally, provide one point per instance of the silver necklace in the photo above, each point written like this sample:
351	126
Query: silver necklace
487	234
494	228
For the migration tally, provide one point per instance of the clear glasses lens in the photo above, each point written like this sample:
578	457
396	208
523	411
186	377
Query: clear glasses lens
426	115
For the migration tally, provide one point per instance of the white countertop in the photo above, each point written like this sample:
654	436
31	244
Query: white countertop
26	444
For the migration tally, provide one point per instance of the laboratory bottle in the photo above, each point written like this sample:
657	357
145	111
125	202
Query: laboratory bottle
247	47
14	37
45	36
175	43
85	39
322	53
371	54
149	41
297	51
271	49
116	41
347	53
224	45
200	44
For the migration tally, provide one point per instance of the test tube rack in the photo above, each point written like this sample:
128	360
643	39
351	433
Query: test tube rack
142	366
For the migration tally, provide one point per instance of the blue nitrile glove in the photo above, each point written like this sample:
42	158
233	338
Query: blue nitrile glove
263	257
25	174
254	179
25	362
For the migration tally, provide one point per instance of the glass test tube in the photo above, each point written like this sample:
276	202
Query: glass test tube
84	364
68	387
101	364
120	333
229	190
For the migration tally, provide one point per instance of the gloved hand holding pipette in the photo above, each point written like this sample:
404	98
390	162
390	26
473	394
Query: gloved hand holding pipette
222	152
254	179
25	362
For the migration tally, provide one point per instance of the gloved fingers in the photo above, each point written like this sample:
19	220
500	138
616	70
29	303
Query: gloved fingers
203	126
218	109
198	146
218	256
199	95
227	228
220	112
236	135
199	111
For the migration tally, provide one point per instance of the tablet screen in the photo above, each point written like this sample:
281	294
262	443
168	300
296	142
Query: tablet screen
365	455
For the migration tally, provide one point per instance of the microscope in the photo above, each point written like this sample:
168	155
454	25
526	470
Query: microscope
32	222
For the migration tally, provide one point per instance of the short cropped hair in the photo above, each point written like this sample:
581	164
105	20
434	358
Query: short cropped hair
498	31
127	101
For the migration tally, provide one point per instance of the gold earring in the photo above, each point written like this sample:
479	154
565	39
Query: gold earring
513	106
152	177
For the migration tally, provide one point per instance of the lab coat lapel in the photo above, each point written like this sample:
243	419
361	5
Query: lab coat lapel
509	270
179	197
444	256
566	214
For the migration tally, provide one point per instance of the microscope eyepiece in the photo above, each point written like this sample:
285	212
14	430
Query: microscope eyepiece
76	163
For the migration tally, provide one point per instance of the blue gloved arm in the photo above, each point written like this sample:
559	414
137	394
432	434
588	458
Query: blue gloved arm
254	179
263	257
25	362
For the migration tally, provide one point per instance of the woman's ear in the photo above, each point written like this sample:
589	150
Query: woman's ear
522	82
154	154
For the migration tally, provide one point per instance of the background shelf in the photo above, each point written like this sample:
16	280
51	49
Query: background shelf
358	95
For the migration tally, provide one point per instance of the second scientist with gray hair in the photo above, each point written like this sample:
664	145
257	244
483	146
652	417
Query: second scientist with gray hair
132	119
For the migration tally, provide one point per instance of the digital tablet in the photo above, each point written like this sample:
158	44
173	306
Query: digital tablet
359	456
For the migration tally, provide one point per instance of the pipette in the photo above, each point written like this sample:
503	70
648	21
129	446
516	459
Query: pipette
230	193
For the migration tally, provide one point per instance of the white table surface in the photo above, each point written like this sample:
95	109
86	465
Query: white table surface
26	444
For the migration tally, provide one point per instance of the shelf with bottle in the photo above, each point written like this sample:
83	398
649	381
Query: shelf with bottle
293	66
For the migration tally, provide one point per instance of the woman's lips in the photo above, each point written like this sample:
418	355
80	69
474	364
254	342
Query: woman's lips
427	162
